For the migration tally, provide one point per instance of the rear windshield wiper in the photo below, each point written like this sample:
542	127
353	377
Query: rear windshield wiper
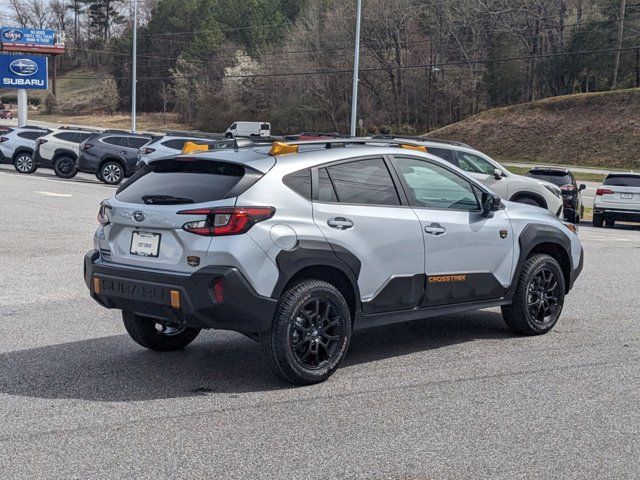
164	200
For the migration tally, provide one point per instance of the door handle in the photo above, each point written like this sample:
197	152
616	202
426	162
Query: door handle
435	229
340	223
123	153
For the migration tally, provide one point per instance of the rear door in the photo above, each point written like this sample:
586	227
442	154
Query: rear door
622	191
468	256
359	210
145	224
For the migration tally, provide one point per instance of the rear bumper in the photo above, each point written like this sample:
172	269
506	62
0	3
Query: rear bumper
154	294
621	214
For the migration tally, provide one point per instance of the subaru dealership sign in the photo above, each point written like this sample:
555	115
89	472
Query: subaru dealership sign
31	40
23	71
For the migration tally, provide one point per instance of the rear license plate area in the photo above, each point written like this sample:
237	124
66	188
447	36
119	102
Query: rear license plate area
626	196
145	244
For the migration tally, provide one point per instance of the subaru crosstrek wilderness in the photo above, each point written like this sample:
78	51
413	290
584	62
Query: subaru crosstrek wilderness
300	245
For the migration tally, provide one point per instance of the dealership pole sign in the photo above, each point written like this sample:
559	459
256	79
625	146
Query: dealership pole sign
31	40
24	71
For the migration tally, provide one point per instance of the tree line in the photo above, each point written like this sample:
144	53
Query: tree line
424	63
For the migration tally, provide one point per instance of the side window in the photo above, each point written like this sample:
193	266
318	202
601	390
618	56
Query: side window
81	137
31	135
113	140
66	136
433	186
443	153
326	192
299	182
233	127
365	182
474	163
176	144
136	142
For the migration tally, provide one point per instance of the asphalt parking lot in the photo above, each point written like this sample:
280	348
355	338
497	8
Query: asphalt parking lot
455	397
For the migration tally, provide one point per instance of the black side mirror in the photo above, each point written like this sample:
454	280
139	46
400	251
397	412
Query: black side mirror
490	203
582	187
497	173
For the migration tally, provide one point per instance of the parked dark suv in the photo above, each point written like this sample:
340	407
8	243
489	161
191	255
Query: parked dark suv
111	155
571	196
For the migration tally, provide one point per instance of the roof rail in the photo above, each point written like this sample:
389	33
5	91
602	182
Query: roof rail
284	147
423	139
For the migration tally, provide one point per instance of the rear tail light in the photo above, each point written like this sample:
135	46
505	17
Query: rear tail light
40	141
147	150
3	139
86	146
103	213
226	221
604	191
218	289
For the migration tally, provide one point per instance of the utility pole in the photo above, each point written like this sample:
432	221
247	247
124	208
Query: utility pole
134	66
623	7
356	68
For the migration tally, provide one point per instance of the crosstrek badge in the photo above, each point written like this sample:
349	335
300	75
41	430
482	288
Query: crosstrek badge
447	278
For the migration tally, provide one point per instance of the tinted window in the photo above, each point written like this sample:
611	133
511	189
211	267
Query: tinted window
81	137
265	126
66	136
135	142
436	187
172	182
474	163
176	144
233	127
326	192
117	141
443	153
365	182
557	178
31	135
622	180
299	182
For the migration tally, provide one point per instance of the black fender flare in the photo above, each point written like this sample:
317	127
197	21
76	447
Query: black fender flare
20	150
317	254
532	236
64	152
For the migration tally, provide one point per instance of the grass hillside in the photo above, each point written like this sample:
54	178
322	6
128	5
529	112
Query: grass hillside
593	129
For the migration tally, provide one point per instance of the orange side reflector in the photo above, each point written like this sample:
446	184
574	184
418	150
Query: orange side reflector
175	299
280	148
415	147
192	147
96	285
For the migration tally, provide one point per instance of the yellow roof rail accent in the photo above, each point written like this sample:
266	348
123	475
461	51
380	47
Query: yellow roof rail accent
192	147
418	148
280	148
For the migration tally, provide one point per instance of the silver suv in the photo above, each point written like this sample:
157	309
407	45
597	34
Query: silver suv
299	245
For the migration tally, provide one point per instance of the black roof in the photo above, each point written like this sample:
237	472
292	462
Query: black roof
550	169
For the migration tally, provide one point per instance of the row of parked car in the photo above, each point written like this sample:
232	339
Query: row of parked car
113	155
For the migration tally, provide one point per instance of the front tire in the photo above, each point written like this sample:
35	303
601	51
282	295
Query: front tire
24	163
310	334
598	220
111	173
153	335
65	167
538	299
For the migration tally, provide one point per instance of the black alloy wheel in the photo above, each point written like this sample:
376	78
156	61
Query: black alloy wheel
543	294
65	167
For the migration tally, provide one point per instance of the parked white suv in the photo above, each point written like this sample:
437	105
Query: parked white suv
618	198
509	186
17	146
298	245
60	150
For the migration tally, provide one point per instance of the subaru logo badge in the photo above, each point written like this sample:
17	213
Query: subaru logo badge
138	216
12	35
23	67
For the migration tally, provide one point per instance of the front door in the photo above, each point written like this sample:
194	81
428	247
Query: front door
468	256
358	209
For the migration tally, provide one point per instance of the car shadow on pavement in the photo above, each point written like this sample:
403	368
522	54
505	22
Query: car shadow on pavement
114	369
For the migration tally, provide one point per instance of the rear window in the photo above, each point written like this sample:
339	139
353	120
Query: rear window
176	144
622	180
265	126
443	153
557	178
173	182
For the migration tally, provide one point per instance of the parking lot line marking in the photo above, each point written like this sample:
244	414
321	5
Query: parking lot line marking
53	194
83	183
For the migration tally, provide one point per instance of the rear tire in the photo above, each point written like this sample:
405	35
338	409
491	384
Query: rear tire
65	167
150	334
111	173
24	163
310	334
598	220
610	223
539	297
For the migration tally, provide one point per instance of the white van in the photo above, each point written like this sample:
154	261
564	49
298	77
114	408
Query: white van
249	129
